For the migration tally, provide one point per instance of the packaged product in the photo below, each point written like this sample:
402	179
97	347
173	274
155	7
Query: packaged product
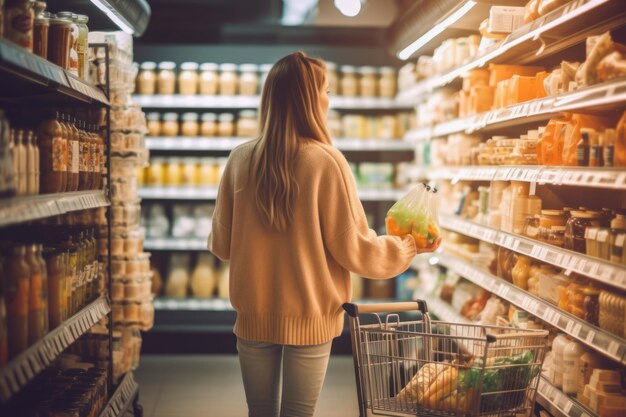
573	134
416	214
503	19
598	47
531	11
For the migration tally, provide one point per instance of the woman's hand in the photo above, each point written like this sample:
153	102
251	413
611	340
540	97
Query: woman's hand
430	248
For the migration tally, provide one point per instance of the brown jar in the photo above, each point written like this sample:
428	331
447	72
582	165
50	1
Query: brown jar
53	156
99	163
368	82
16	290
59	38
37	304
73	152
19	17
209	79
153	121
84	176
228	79
248	79
166	78
349	81
387	84
40	31
189	126
188	78
147	79
169	126
208	128
575	229
56	261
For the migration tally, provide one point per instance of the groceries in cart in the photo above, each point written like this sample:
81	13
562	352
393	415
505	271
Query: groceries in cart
415	214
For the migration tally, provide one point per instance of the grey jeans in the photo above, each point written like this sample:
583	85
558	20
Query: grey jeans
303	371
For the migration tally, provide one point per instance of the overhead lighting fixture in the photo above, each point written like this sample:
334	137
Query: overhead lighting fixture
349	8
115	18
407	52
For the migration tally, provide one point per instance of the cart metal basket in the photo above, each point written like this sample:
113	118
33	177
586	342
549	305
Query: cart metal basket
435	368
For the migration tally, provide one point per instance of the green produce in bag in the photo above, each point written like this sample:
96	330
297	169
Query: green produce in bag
415	214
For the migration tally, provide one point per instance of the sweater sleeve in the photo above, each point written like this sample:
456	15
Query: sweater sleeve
347	236
219	238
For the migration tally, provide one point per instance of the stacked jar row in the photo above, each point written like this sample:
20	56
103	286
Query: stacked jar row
206	124
248	79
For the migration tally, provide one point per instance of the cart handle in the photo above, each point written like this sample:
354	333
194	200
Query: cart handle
355	309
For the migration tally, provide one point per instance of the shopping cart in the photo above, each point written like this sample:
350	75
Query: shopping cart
434	368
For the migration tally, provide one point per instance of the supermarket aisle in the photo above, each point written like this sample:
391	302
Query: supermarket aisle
210	386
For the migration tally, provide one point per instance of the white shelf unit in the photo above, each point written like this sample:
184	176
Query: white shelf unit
210	193
253	102
192	304
609	94
558	30
606	178
227	144
597	269
598	339
22	209
175	244
23	368
122	398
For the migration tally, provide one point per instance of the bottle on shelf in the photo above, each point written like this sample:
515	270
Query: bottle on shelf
203	277
33	164
16	291
73	147
84	178
53	155
38	303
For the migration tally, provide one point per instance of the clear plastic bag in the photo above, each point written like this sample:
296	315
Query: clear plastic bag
416	214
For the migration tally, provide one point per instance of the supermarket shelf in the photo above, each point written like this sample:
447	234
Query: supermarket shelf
551	33
22	209
182	244
25	75
222	144
443	310
608	178
597	269
192	304
601	96
134	14
23	368
210	193
604	342
557	403
122	398
253	102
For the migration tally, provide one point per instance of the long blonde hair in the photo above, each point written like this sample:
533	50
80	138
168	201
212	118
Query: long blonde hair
290	114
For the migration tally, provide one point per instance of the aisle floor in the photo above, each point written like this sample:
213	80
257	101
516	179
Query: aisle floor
210	386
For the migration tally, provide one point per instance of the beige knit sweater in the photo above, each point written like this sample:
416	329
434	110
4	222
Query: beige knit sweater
288	287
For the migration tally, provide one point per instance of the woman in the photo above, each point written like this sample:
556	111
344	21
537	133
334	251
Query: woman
289	219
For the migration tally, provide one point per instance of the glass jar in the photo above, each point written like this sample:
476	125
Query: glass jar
208	78
166	78
265	70
332	78
531	227
16	283
73	66
248	79
188	78
40	32
82	45
189	171
173	171
552	227
189	125
387	84
334	124
205	174
156	172
368	83
37	300
349	82
208	128
153	121
169	126
521	271
147	78
247	125
53	153
575	229
19	16
226	125
59	38
228	79
591	305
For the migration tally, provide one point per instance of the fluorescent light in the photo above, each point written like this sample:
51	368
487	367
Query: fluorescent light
348	8
436	30
433	260
102	5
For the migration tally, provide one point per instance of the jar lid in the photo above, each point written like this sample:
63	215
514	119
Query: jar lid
348	69
585	214
82	18
266	67
226	117
228	67
153	116
170	117
57	20
167	65
148	66
208	66
209	117
553	212
247	114
66	15
331	66
190	117
367	70
387	70
248	68
189	66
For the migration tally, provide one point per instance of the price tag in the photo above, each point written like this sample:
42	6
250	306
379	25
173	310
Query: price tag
18	372
591	334
613	348
567	407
